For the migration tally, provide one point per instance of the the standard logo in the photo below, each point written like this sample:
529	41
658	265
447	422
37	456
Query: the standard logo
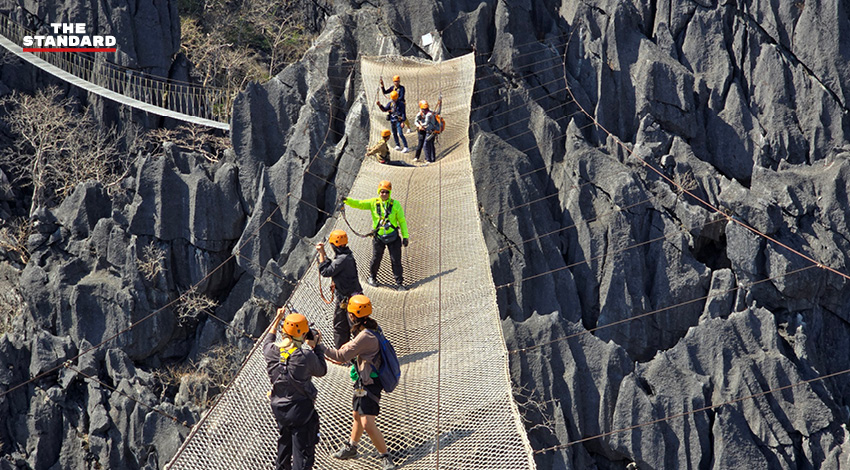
69	37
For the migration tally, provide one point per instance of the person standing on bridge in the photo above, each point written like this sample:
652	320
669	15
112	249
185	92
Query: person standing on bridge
291	364
396	114
343	271
426	124
399	88
366	349
389	230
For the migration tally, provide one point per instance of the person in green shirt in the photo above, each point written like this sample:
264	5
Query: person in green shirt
390	231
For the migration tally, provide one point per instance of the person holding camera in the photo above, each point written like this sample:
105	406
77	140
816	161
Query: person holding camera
343	271
389	231
397	115
291	364
366	350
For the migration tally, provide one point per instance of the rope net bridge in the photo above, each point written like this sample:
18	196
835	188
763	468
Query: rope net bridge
204	105
453	408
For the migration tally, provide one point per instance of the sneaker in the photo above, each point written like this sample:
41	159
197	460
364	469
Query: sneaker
397	147
426	163
372	282
348	451
415	160
387	462
400	287
404	150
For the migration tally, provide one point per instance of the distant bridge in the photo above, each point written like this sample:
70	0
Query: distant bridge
206	106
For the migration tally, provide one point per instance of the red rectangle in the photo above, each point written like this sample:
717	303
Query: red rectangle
69	49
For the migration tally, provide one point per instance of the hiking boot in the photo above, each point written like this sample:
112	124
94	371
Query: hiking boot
348	451
372	282
387	462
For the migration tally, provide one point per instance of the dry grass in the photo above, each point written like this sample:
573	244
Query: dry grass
152	261
13	239
193	138
11	305
685	182
205	379
192	304
233	42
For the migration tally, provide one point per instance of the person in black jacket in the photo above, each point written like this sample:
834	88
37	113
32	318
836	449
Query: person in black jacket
343	271
291	363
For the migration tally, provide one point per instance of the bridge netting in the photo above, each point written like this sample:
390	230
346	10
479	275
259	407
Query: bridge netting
445	328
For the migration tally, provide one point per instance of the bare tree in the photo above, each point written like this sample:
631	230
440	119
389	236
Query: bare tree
57	149
42	122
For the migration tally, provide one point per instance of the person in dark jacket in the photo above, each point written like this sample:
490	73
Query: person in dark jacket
291	363
343	271
397	115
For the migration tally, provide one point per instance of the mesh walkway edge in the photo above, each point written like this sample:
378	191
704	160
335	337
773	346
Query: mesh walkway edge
480	426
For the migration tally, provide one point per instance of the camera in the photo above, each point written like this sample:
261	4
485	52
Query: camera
311	334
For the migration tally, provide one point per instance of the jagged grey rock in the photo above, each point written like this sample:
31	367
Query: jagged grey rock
740	106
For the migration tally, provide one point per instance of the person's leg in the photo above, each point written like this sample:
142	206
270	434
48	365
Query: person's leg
377	254
420	145
356	428
284	448
395	258
304	440
342	329
397	125
430	155
367	422
395	132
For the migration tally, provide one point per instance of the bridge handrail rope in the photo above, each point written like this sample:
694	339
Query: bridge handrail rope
206	102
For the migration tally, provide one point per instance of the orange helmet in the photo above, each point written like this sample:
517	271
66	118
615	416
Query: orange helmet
338	238
295	325
385	133
423	104
397	78
360	306
393	95
385	185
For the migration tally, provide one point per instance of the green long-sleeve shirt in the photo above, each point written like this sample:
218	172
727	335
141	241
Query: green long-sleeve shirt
396	218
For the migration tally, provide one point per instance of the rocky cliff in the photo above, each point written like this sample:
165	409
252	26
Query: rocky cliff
650	176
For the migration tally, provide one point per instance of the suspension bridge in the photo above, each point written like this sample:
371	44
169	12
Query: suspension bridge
454	407
187	102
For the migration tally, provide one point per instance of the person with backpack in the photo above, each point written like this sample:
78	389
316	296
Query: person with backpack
343	270
389	231
426	124
396	114
365	348
291	364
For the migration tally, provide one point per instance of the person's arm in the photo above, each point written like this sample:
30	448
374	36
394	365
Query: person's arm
349	350
270	352
314	352
331	268
382	106
400	91
320	248
402	221
358	203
